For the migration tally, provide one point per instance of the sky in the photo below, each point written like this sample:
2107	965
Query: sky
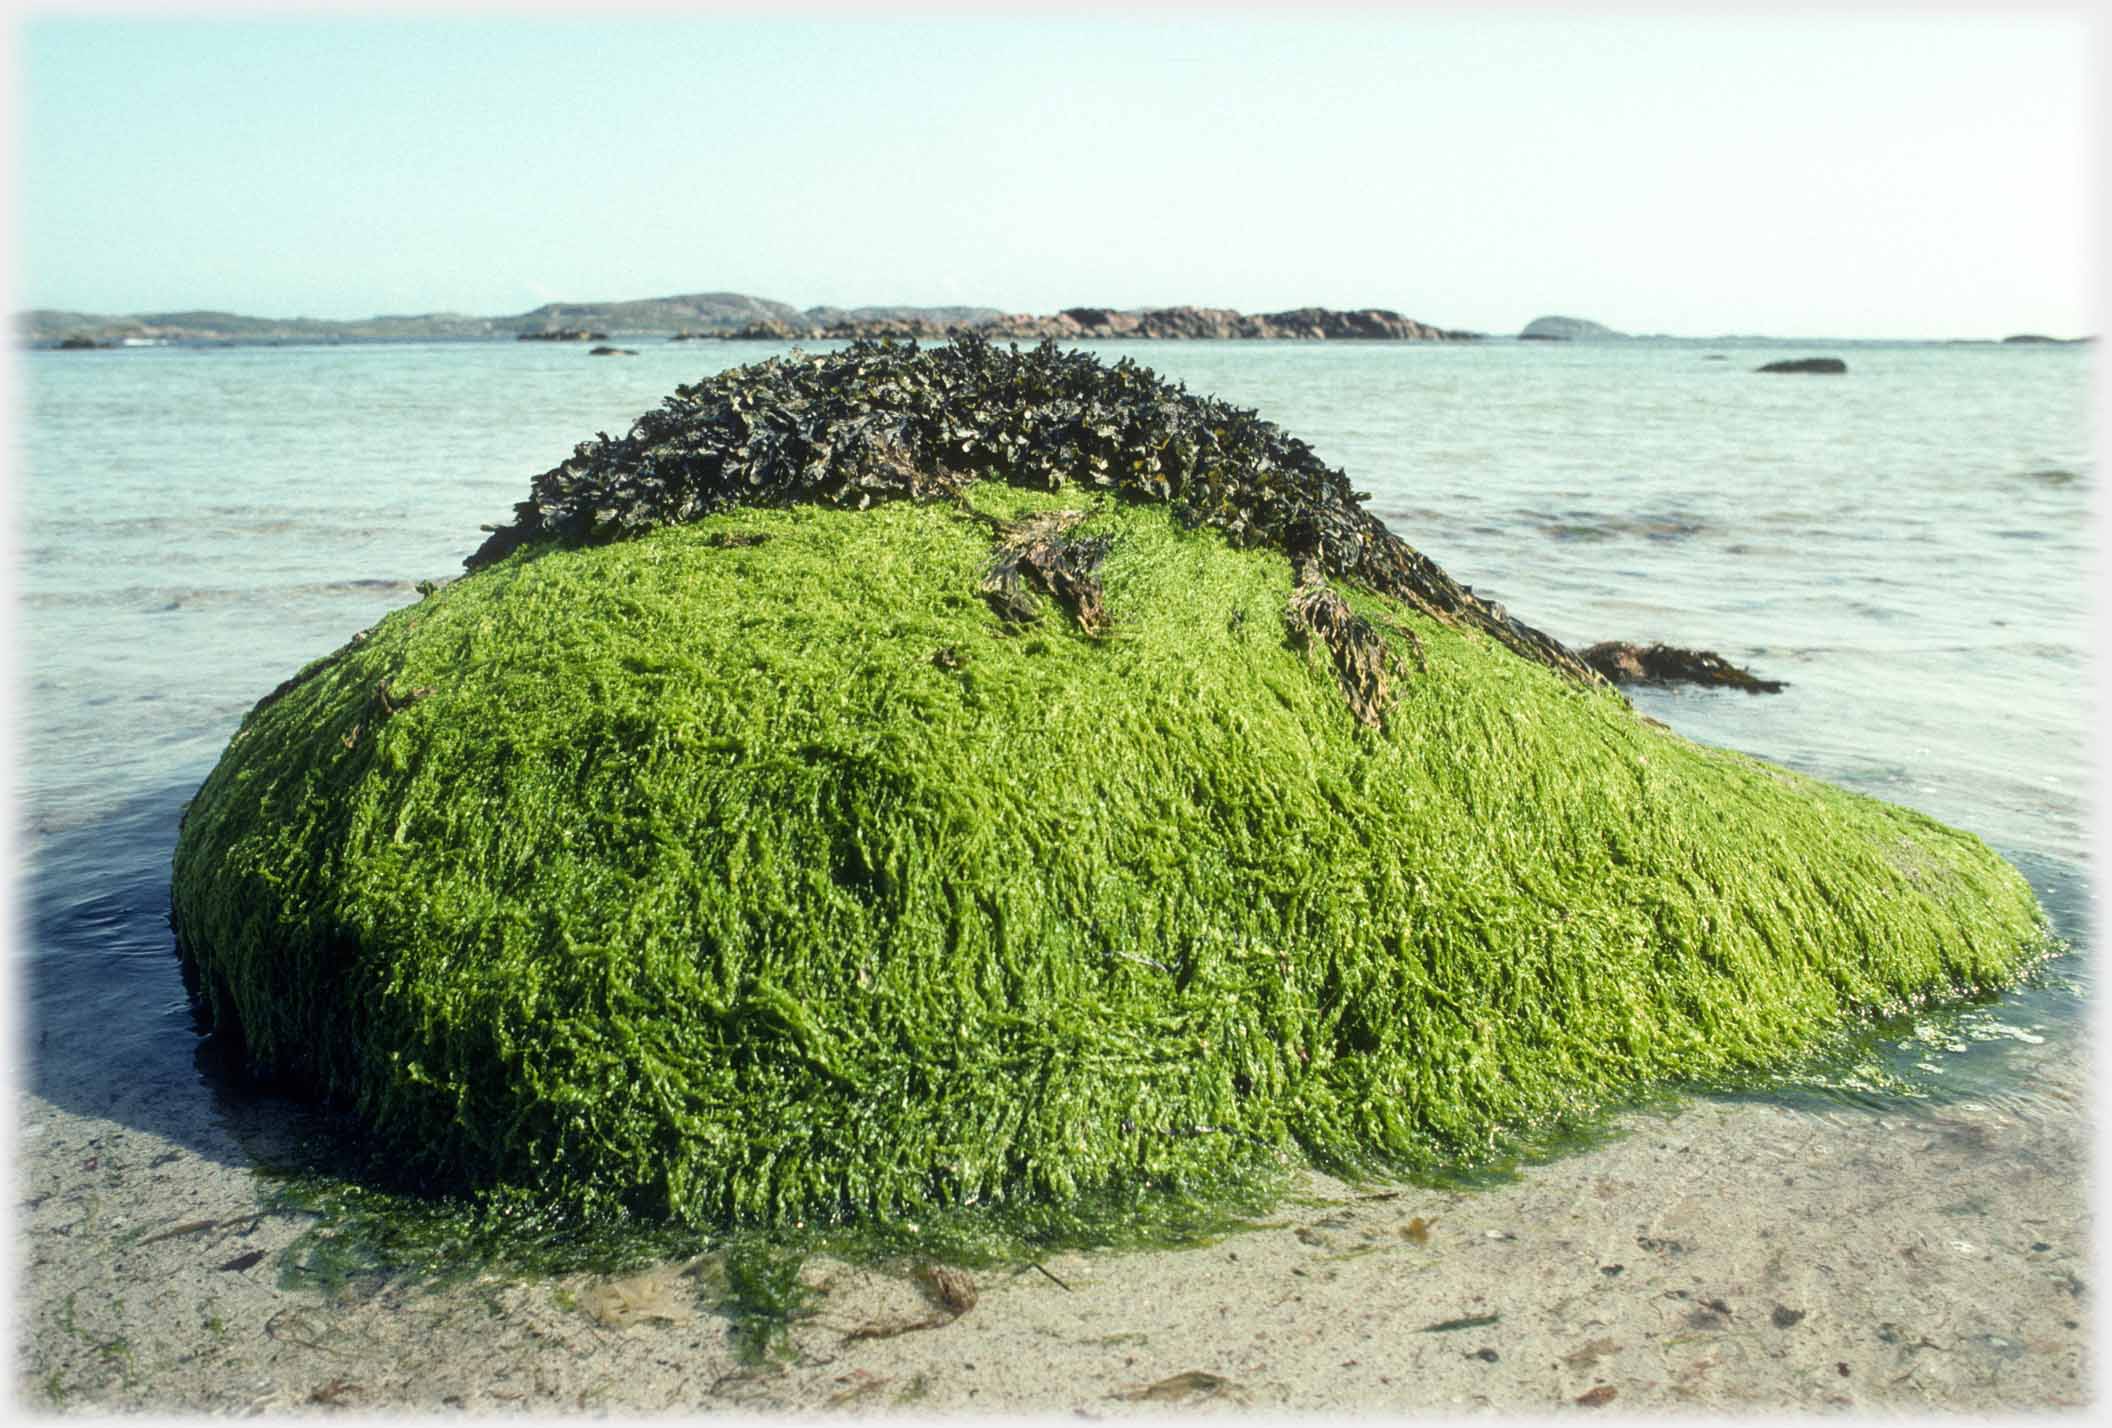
1890	174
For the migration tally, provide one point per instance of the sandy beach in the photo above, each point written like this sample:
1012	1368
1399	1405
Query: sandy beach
1729	1256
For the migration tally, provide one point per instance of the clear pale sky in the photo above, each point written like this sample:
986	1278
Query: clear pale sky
1891	175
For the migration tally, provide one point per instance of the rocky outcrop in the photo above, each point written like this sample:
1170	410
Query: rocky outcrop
771	329
564	334
614	352
880	422
1823	365
899	328
942	793
1623	663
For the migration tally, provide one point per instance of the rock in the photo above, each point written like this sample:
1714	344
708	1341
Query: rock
1565	329
1806	364
771	330
614	352
886	422
78	343
1103	322
1364	323
656	869
898	328
1624	663
563	334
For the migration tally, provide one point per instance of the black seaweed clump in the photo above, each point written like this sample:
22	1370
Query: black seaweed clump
882	421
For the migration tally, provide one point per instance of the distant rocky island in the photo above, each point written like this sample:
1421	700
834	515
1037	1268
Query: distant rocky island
737	316
1577	329
1565	329
1152	324
725	315
712	313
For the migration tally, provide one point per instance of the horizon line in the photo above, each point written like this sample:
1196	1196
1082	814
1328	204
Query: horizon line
22	314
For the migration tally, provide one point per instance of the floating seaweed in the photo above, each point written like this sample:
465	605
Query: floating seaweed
1465	1321
1624	663
1194	1383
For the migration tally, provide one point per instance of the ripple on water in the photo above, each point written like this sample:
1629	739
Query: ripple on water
159	598
1610	525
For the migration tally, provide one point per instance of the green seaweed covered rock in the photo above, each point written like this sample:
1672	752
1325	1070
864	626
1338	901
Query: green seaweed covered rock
1009	839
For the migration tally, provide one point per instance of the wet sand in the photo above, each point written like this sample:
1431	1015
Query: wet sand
1731	1256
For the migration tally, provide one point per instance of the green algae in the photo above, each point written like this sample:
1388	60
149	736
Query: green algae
779	882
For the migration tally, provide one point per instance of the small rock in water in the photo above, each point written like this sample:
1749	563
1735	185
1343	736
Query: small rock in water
1806	364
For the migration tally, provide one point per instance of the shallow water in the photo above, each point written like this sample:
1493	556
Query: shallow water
1909	546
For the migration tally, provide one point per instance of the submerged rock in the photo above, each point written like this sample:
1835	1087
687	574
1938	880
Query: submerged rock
1822	365
910	779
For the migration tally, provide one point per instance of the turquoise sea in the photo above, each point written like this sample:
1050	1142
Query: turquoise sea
1910	546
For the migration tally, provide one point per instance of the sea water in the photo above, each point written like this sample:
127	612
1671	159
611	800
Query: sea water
1909	546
